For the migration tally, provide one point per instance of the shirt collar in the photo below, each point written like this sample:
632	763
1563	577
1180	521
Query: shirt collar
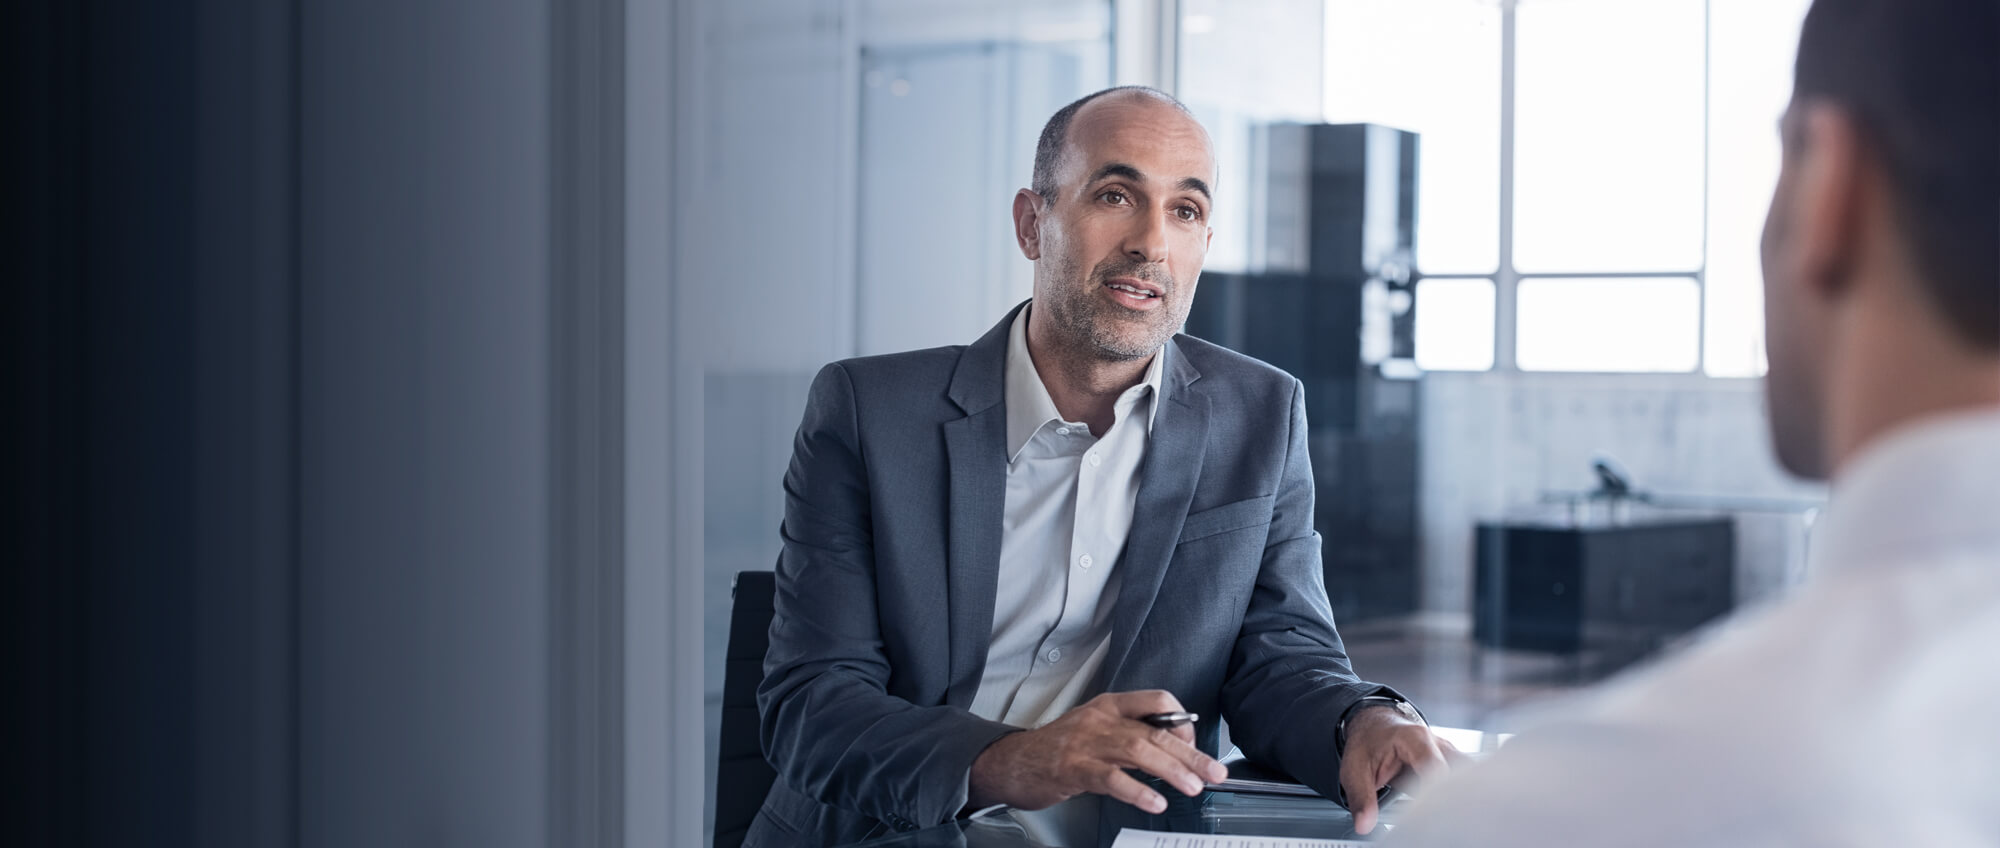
1928	487
1029	406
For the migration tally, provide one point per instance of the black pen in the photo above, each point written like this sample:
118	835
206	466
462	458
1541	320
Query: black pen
1169	721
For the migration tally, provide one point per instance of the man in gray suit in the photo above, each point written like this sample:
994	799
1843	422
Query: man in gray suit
999	558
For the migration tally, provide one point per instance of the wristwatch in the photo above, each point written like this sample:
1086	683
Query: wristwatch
1407	709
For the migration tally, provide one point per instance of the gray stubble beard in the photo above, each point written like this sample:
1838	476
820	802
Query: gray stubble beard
1073	312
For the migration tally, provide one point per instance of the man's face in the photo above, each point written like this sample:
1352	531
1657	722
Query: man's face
1793	391
1119	250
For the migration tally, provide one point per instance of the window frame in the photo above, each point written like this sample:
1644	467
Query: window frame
1506	279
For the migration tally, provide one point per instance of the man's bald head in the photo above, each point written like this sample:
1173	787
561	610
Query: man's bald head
1117	224
1055	133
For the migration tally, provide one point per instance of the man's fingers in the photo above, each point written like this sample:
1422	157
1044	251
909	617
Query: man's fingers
1387	768
1145	702
1358	784
1147	754
1428	763
1452	755
1124	787
1182	747
1360	803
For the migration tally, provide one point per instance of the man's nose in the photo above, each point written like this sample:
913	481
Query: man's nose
1147	240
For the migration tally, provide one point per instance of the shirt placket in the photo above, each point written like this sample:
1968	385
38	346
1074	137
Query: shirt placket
1049	652
1092	549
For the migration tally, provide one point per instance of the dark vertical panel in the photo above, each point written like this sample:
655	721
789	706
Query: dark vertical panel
147	624
587	349
425	422
41	242
104	572
245	436
137	472
277	317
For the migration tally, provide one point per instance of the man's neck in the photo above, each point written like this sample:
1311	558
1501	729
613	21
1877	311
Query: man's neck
1896	371
1084	386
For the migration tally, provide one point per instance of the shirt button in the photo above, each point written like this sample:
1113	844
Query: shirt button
1055	654
1062	431
1084	560
1095	460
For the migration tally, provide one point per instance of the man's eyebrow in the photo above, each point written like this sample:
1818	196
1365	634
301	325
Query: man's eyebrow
1118	169
1122	170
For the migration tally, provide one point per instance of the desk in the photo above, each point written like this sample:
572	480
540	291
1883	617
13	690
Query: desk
1210	812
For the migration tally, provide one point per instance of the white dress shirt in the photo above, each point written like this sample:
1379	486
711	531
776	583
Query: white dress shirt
1865	710
1070	495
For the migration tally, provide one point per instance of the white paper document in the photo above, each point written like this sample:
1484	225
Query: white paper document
1130	838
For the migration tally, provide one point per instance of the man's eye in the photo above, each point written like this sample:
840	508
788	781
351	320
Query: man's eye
1112	197
1188	214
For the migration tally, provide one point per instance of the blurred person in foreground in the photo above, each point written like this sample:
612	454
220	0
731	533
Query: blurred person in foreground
1861	711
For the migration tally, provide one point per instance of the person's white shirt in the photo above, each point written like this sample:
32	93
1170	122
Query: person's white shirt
1069	503
1864	710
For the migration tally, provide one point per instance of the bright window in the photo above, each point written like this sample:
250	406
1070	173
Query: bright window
1455	324
1644	152
1750	64
1615	324
1608	136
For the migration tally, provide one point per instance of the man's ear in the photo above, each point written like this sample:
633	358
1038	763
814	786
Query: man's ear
1827	197
1028	223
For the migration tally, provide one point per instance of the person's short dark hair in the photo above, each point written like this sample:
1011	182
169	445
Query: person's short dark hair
1048	151
1922	79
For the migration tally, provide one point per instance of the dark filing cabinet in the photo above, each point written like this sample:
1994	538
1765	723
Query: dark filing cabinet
1621	588
1332	307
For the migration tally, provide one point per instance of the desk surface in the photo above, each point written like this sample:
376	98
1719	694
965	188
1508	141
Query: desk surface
1211	812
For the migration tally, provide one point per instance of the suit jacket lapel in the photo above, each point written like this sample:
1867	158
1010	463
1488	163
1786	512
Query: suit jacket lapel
976	451
1167	478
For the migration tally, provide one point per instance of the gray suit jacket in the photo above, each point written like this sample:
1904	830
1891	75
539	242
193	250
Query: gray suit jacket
891	556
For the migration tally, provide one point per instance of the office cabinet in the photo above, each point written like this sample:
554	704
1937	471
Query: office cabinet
1618	587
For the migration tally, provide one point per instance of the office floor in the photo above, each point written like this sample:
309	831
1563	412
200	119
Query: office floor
1460	683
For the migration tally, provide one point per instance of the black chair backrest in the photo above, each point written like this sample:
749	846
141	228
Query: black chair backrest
742	776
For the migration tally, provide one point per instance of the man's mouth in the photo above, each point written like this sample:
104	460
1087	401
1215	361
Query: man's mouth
1138	289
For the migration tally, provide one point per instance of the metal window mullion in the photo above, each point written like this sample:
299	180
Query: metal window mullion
1707	196
1604	275
1145	43
1505	281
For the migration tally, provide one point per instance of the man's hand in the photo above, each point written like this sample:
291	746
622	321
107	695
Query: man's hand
1088	750
1382	743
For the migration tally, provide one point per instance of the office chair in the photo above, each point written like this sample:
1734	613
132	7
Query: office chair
742	776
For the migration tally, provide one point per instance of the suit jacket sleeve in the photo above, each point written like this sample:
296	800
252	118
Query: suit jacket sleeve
1289	678
829	725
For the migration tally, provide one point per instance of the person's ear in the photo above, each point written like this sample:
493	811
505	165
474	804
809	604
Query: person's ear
1826	198
1028	223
